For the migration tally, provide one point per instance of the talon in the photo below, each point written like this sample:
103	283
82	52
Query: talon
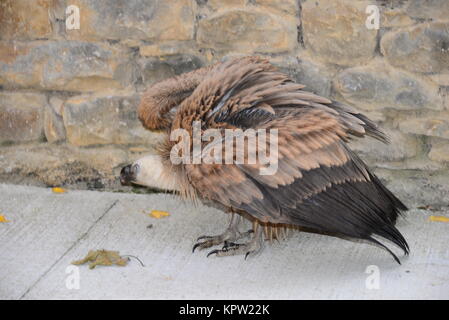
246	255
195	246
203	237
212	252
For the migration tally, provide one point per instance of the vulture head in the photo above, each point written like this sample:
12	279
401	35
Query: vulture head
148	171
320	184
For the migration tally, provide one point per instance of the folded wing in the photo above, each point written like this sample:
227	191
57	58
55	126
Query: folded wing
319	183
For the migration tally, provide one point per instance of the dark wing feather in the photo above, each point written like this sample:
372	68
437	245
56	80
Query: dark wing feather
319	183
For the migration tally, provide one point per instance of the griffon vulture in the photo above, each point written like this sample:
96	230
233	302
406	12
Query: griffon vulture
319	184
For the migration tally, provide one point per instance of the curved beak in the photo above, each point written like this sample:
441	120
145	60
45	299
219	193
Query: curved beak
128	174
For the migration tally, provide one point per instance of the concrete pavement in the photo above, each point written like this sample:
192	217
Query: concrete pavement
47	231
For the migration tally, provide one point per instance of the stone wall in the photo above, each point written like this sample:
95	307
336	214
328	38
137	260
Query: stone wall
68	97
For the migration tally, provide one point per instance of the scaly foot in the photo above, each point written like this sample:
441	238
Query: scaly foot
231	235
232	249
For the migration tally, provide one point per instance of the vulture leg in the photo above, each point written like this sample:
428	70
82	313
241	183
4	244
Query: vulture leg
252	246
228	237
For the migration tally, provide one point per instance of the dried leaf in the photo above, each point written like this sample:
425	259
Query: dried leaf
58	190
159	214
102	257
439	218
3	218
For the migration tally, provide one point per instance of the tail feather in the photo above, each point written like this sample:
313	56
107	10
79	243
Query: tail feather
371	239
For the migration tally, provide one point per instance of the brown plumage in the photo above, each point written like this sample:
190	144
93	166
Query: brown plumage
320	184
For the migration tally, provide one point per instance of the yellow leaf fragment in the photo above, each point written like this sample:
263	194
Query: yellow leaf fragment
103	258
439	218
58	190
159	214
3	218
